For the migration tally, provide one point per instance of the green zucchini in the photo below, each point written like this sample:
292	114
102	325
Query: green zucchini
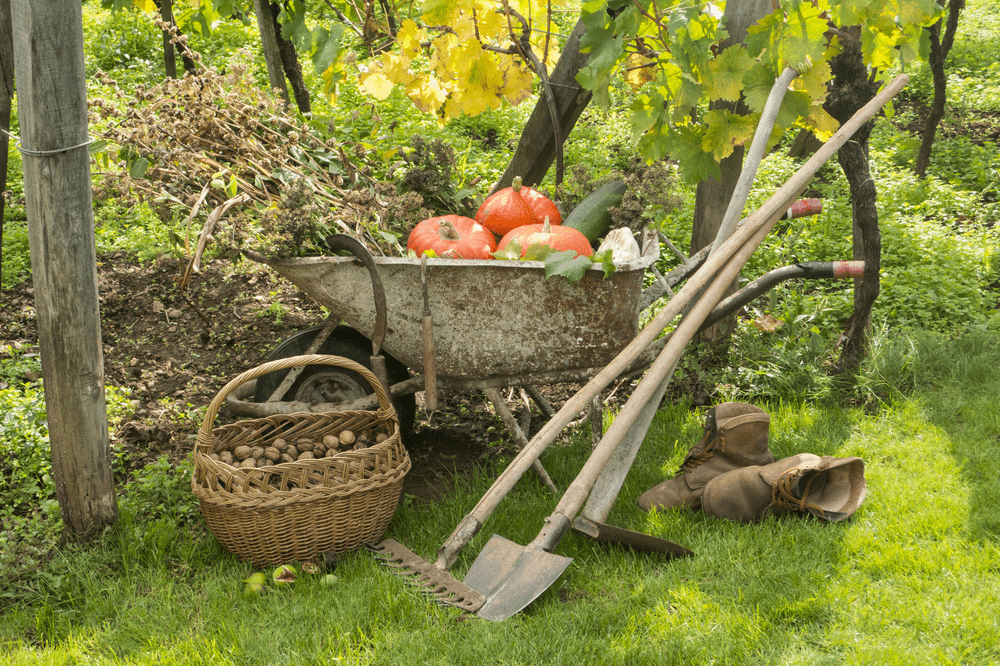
591	216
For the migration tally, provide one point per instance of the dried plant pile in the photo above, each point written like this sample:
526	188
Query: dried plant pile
212	135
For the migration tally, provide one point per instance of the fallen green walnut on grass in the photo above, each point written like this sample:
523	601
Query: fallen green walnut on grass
284	577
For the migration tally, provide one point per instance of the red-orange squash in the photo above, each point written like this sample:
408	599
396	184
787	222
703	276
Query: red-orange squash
452	237
558	237
516	206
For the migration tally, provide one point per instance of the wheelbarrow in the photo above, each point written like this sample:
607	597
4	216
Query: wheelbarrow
495	324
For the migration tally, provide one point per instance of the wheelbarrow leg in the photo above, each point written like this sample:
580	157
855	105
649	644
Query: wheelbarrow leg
540	400
500	405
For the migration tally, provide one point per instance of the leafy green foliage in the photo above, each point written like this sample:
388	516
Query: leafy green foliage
16	254
25	474
676	65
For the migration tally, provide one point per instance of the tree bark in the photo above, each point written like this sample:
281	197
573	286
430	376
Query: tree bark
269	44
939	53
712	196
852	88
169	62
6	95
52	109
290	64
536	149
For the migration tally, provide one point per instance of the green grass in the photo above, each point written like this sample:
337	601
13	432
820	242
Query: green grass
912	578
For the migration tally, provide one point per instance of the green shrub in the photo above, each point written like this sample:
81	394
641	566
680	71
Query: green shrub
16	255
26	472
26	483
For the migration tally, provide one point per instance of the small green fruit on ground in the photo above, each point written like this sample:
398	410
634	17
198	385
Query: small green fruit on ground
285	574
329	580
253	589
256	578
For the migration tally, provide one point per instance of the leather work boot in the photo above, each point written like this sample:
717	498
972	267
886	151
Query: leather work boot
828	488
735	437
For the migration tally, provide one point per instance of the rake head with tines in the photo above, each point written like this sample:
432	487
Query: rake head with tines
430	579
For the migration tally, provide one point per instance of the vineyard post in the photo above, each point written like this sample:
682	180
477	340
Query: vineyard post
52	109
6	95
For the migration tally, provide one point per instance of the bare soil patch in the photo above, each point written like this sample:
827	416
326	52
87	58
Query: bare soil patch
174	362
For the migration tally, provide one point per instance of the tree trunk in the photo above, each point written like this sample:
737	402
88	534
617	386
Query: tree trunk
6	95
536	150
169	62
290	64
269	44
52	109
712	196
939	53
853	88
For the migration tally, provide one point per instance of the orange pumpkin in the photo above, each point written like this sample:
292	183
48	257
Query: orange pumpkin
516	206
453	237
559	238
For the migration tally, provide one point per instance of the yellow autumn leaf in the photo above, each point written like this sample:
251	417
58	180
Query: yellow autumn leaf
146	5
492	26
427	95
465	28
517	83
409	37
822	123
377	85
639	70
813	80
396	68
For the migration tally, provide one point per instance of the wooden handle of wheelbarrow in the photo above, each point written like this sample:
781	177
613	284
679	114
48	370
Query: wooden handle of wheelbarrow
763	219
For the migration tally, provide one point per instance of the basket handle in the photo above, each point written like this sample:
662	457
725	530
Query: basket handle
385	410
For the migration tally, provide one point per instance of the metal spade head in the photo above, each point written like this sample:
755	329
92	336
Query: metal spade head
635	540
512	576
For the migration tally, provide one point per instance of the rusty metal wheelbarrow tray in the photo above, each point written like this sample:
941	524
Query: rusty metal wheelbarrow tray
495	322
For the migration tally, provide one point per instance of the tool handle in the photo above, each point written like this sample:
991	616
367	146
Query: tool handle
648	393
430	374
609	483
763	219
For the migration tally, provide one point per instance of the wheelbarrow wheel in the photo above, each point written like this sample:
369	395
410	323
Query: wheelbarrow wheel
321	383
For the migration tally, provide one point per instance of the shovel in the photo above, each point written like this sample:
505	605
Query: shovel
434	577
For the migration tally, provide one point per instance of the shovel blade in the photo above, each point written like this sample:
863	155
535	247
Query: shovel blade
512	576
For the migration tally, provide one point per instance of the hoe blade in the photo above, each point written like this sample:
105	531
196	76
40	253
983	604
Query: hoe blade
431	580
512	576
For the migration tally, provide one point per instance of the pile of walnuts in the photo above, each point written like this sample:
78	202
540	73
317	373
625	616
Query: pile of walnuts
282	451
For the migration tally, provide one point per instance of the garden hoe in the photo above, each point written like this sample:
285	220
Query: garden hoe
506	577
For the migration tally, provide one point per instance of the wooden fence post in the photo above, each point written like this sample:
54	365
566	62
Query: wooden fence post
52	109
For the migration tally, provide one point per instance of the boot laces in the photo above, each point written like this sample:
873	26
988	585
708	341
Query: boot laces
783	497
701	457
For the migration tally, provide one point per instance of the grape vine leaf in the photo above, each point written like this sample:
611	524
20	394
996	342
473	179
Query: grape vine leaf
726	71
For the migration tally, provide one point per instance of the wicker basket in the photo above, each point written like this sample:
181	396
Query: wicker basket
296	510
